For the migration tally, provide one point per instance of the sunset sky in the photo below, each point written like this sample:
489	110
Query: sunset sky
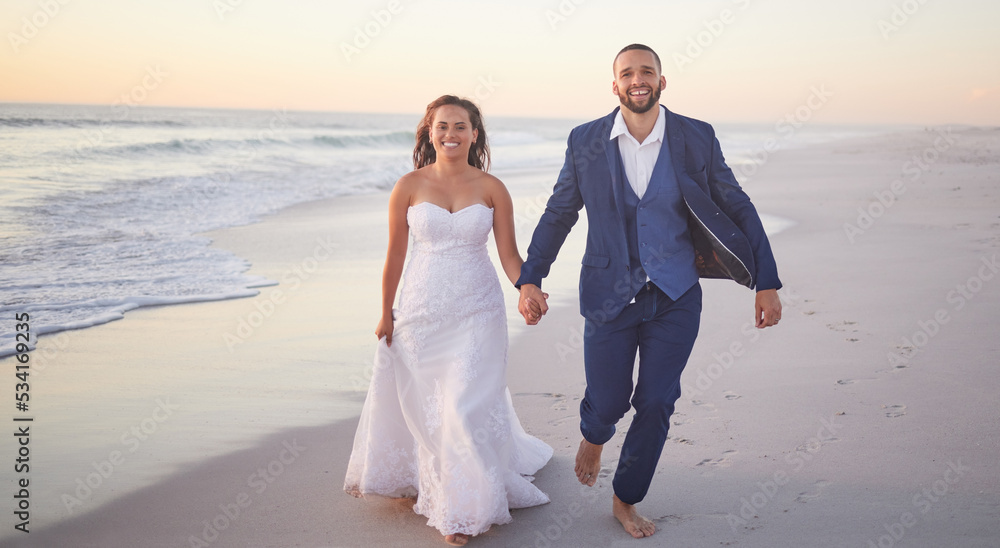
870	61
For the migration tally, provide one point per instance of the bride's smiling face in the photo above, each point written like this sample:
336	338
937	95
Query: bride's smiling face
452	133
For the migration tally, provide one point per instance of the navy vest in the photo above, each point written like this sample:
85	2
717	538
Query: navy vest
668	261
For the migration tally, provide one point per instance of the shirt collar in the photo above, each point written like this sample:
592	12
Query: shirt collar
659	128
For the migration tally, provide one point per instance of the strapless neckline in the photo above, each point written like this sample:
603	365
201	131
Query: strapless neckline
448	210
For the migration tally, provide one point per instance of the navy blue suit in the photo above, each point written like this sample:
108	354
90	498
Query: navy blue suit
693	221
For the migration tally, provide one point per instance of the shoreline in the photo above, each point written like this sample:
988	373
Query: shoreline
810	424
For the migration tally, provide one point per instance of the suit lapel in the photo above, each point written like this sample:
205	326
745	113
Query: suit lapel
613	154
660	168
675	138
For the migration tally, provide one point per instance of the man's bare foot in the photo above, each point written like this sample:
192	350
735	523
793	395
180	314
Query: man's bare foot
634	524
588	462
458	539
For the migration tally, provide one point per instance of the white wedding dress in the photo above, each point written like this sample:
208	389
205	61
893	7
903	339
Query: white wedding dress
438	421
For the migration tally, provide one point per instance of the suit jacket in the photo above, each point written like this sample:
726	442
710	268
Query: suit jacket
725	228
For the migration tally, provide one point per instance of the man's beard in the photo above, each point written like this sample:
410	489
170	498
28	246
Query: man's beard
654	99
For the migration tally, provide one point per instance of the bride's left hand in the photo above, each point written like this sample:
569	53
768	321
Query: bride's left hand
384	329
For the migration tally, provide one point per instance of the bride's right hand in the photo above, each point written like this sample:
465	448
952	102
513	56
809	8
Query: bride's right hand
384	329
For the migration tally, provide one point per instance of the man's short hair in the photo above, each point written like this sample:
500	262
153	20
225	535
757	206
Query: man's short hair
642	47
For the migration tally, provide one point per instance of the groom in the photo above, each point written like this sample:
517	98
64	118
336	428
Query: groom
663	210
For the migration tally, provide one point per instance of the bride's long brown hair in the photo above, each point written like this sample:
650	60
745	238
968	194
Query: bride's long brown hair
479	152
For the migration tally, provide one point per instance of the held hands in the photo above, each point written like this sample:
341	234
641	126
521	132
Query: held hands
767	308
384	329
532	303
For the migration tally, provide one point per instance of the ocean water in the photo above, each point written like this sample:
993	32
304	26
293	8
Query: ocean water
101	207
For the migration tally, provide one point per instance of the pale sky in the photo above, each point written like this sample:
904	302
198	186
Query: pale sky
853	61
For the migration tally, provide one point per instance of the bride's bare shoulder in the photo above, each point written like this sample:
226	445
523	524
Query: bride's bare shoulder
411	181
415	177
495	192
491	183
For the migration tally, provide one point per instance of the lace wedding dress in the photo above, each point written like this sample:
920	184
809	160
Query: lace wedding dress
438	421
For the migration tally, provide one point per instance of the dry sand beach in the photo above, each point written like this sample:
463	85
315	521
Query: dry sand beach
868	418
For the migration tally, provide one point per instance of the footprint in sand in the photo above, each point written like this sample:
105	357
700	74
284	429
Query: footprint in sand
815	444
813	493
684	441
722	461
560	403
906	350
731	395
845	382
563	420
893	411
843	326
671	519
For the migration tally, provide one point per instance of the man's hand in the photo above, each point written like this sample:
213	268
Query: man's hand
532	303
767	308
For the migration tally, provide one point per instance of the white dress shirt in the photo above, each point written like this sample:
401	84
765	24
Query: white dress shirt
639	158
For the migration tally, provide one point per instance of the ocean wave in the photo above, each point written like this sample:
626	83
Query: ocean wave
22	122
186	145
102	311
366	140
511	138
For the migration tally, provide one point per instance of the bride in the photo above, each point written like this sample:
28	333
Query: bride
438	421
